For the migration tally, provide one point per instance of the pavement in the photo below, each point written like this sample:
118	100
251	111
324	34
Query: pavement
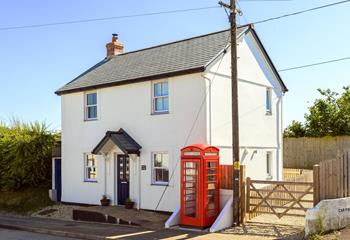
85	230
91	231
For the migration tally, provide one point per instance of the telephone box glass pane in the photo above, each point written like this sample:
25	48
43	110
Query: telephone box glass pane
211	205
211	168
211	178
190	188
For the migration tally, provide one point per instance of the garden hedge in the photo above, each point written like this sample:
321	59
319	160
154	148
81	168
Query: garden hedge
25	155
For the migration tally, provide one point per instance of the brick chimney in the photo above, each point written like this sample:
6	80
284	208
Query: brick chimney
114	47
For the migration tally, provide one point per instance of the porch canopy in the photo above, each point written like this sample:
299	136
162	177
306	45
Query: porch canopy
120	139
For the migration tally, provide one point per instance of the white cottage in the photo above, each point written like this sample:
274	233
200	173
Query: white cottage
125	119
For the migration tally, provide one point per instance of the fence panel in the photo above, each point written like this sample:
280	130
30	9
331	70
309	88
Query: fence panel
333	177
306	152
226	176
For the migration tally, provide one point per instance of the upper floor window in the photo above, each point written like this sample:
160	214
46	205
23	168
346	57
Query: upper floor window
268	101
91	106
160	168
160	97
90	168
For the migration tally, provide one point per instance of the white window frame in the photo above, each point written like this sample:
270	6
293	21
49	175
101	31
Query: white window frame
268	104
269	164
86	167
86	106
153	180
154	111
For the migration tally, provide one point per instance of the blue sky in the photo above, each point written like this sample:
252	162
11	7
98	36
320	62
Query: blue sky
36	62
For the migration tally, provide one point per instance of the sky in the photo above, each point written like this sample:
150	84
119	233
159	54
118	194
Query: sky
35	62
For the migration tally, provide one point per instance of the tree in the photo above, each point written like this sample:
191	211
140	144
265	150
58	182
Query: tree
328	116
296	129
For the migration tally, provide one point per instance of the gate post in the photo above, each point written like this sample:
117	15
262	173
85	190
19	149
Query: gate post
243	193
247	206
316	178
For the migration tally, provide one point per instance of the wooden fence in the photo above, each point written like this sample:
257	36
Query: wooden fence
332	177
306	152
294	174
226	176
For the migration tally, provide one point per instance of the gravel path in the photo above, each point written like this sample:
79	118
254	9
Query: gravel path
58	211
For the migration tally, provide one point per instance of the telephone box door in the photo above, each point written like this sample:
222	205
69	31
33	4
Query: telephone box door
190	192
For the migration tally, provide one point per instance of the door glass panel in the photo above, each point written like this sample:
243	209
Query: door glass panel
121	170
190	188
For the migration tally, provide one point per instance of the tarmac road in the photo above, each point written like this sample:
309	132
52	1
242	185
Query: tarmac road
6	234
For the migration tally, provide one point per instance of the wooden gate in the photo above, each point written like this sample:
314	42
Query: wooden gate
281	198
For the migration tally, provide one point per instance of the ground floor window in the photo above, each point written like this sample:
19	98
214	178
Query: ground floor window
160	168
269	164
90	168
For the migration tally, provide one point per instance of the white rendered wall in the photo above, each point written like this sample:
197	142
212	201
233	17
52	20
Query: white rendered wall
259	132
129	107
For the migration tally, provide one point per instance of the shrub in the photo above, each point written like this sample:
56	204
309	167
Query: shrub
25	154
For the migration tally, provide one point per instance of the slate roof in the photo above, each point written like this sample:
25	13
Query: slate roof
185	56
120	138
171	59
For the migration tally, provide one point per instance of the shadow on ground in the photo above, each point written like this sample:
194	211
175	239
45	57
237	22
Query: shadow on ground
277	231
154	234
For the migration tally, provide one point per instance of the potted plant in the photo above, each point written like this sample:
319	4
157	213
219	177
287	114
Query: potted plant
129	204
105	201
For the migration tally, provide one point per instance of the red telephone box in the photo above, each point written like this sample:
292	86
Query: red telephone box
200	189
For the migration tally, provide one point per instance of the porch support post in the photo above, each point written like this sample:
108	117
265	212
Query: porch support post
105	157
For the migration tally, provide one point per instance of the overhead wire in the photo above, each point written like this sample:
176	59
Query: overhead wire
107	18
301	12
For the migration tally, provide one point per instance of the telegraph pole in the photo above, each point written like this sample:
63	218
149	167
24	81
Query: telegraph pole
235	123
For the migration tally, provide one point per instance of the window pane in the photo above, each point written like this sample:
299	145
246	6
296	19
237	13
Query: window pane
157	160
268	106
90	160
91	173
91	99
165	160
92	112
268	163
158	104
165	89
165	104
159	175
165	175
157	89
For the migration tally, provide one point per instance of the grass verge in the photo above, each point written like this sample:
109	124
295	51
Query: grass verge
24	201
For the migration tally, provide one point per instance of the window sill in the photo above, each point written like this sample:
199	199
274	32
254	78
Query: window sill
160	113
90	120
268	113
160	184
90	181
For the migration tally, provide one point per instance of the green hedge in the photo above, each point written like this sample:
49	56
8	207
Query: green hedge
25	155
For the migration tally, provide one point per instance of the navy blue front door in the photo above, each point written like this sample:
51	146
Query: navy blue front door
58	178
123	178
